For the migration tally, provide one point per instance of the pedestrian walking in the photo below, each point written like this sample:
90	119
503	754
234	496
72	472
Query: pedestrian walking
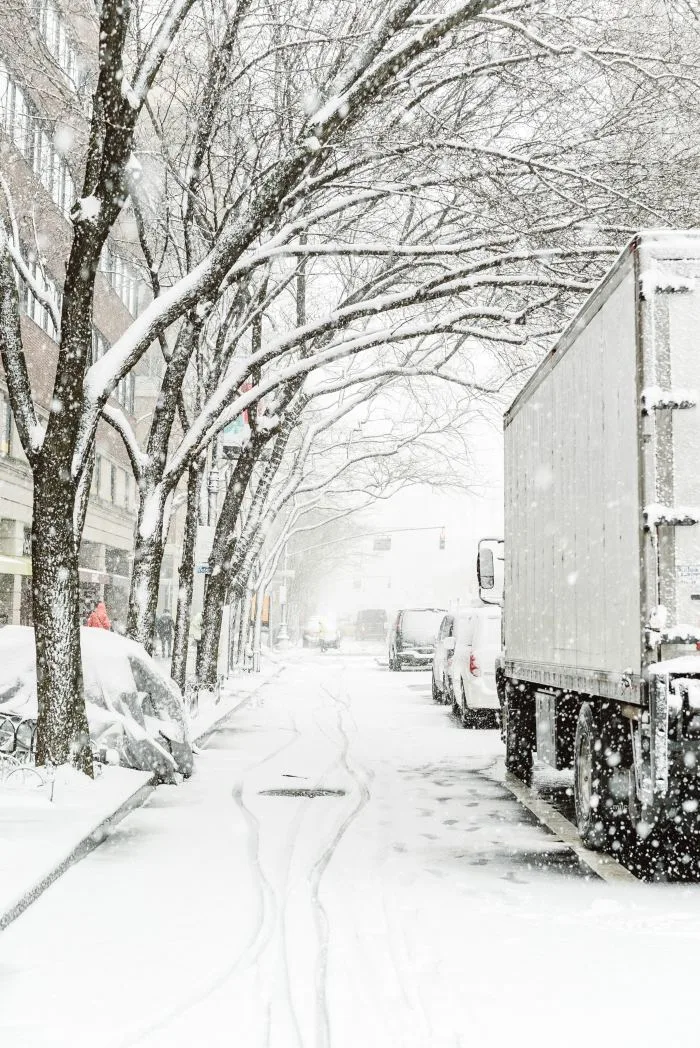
165	626
99	619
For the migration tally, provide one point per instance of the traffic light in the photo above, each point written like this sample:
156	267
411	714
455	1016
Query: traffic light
442	538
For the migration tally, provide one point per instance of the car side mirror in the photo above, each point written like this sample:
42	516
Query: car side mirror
449	644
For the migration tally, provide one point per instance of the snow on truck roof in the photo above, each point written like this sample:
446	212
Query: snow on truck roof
649	245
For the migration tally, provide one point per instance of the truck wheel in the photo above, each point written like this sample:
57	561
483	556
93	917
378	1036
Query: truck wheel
601	768
519	716
468	716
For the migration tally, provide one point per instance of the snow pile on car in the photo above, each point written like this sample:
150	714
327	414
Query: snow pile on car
132	707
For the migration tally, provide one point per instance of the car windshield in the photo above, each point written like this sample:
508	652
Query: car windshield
421	626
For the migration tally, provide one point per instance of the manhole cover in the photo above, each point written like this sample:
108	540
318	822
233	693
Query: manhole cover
301	792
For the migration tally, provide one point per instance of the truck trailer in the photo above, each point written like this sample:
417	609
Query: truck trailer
601	591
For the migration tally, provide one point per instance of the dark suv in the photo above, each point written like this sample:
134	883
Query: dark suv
371	624
412	637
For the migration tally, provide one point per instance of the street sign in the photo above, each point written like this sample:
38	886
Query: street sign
202	569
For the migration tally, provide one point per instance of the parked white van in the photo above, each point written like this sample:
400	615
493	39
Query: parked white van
442	657
472	668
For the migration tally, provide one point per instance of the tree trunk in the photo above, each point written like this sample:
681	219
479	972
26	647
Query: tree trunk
235	631
62	728
178	666
257	628
246	603
145	578
212	614
222	549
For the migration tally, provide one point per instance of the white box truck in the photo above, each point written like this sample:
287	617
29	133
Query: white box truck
601	667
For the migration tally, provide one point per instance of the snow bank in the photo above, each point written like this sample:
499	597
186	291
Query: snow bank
684	664
655	398
683	633
663	278
656	514
132	707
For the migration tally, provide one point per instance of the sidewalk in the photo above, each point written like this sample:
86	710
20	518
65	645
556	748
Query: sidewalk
235	691
41	837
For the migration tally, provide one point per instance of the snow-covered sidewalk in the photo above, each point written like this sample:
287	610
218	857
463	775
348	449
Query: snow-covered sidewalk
40	837
236	689
44	829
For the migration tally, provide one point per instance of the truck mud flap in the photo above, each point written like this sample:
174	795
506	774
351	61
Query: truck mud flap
658	739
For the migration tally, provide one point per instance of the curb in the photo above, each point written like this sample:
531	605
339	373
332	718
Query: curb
91	841
98	834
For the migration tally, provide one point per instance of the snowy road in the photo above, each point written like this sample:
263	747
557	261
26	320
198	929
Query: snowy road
412	902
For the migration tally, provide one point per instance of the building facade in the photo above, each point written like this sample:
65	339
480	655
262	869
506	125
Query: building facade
47	74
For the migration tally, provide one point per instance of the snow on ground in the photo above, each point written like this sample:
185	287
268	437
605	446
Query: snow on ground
422	907
37	833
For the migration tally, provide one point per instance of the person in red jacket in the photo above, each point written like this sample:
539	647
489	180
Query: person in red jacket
99	618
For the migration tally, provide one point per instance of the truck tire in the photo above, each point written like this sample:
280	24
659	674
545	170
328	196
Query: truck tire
519	718
501	692
601	763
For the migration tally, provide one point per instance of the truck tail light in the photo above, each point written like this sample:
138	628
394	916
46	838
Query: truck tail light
474	668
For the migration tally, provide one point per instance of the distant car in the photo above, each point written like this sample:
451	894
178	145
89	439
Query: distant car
472	673
320	633
371	624
412	637
442	659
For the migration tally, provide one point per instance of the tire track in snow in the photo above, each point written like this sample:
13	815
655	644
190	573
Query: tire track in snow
294	838
265	920
361	780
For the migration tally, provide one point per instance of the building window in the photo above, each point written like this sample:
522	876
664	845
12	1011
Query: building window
125	278
105	489
99	346
55	33
90	555
116	561
95	482
31	305
5	425
30	134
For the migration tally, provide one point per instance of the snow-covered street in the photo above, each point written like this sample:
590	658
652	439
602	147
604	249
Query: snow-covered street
419	905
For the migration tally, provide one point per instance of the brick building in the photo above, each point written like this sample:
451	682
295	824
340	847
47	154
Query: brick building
47	55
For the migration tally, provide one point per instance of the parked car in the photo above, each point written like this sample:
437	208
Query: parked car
472	670
442	659
371	624
412	637
135	711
